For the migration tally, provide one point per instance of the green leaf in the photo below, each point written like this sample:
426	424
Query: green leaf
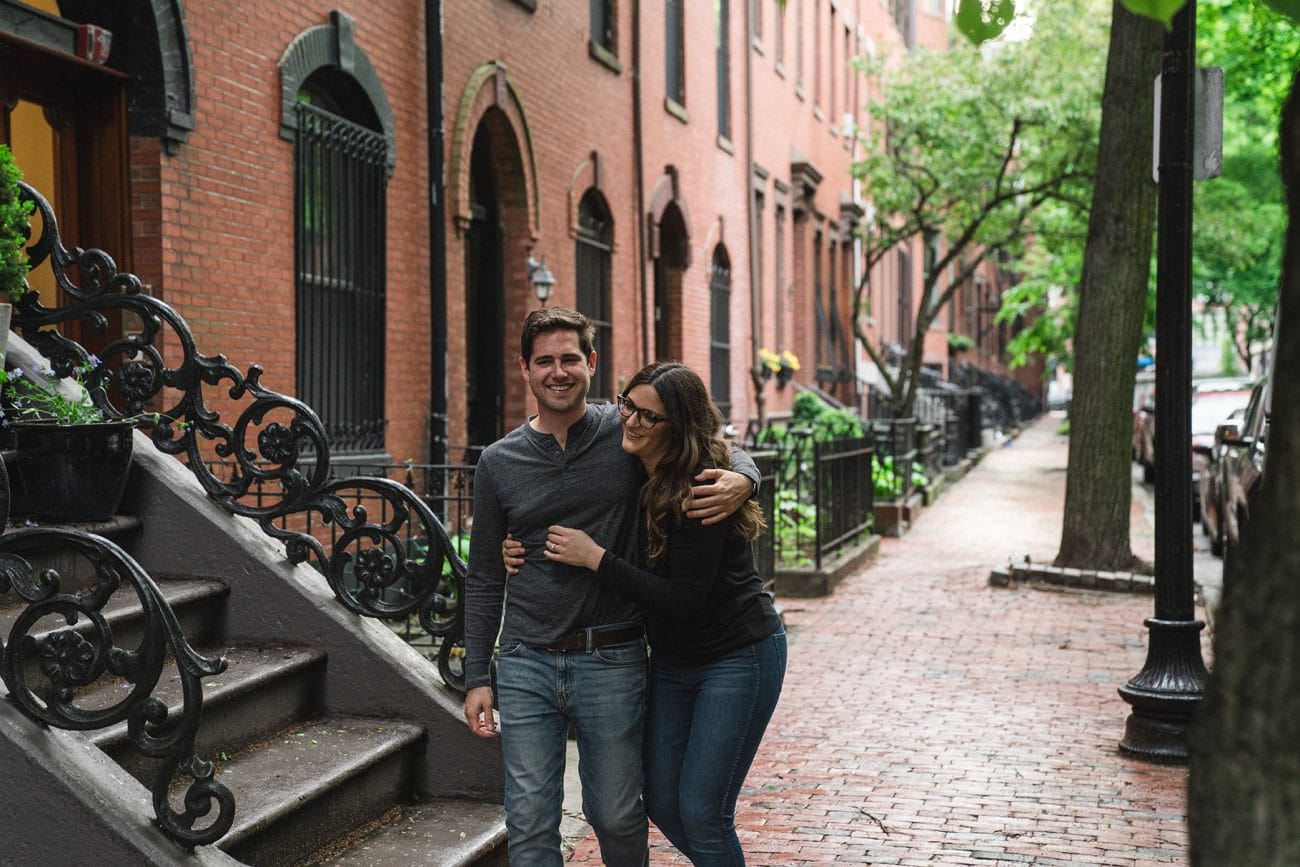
979	22
1161	10
1289	8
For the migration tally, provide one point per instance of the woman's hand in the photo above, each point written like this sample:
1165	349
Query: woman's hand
566	545
512	554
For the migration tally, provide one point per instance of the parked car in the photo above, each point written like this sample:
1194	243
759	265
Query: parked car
1238	465
1144	407
1214	403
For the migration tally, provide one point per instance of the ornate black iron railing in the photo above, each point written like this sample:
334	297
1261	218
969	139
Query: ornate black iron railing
61	642
276	442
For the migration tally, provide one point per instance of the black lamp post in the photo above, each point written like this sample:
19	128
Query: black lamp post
1167	691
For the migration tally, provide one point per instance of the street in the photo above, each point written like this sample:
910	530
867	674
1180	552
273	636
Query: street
930	718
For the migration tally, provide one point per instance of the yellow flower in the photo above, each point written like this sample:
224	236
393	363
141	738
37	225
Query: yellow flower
769	359
790	360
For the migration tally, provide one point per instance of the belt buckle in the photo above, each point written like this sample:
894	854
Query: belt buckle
589	632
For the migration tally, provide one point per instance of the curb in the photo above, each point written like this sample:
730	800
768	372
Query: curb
1024	572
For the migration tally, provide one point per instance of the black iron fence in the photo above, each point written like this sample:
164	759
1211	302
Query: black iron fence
821	494
895	452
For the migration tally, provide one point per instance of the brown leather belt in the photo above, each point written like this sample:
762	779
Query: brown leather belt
599	636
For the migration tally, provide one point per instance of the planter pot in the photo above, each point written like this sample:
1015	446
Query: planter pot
74	472
783	376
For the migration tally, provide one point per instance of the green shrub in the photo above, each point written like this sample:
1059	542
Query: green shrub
13	229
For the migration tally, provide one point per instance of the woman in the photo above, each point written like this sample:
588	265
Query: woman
718	648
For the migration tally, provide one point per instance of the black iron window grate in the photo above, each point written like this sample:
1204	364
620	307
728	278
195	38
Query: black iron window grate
594	278
340	194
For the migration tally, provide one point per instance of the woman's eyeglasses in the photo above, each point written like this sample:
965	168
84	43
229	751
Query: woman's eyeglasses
627	409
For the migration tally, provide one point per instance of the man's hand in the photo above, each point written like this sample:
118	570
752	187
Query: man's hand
512	554
478	712
717	495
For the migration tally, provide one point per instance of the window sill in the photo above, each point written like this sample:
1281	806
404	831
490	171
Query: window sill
780	69
530	5
677	110
725	144
817	113
604	57
757	43
800	92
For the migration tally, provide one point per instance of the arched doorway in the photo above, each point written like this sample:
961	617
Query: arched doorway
670	265
484	298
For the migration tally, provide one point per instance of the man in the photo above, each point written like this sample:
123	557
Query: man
569	652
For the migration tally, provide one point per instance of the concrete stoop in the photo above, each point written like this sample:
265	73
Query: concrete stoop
338	741
1023	571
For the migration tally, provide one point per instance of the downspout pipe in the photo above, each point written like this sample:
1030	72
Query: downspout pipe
638	168
751	214
438	445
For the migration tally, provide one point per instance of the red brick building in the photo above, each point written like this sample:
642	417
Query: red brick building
356	196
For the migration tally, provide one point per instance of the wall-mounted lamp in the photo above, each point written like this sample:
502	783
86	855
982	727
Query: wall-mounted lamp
542	279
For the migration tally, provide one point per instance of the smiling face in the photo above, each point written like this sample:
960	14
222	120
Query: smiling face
649	444
559	376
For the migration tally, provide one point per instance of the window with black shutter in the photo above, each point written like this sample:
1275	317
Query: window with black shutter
593	278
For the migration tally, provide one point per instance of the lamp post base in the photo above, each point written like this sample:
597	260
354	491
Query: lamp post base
1166	693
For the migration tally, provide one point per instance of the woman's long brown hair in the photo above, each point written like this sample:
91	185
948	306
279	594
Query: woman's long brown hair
694	445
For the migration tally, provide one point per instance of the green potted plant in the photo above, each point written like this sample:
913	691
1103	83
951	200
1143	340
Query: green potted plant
73	461
14	230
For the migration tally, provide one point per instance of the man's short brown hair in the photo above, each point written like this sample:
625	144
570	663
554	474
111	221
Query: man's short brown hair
544	320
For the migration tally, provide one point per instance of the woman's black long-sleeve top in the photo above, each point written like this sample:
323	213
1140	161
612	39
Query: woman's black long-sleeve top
706	600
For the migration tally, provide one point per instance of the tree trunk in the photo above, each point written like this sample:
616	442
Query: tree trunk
1244	790
1112	295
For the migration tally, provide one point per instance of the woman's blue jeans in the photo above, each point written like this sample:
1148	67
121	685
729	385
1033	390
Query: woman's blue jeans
603	693
703	731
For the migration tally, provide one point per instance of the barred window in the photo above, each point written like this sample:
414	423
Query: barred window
720	331
340	212
593	278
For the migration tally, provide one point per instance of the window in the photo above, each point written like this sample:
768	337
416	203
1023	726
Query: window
602	24
720	331
817	52
593	279
834	70
778	38
340	214
930	251
904	297
780	277
756	13
721	31
819	303
675	51
902	12
798	44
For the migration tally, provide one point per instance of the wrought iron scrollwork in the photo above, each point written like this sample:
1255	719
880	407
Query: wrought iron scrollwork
263	449
62	642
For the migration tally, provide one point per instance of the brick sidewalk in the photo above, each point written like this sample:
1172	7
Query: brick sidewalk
929	718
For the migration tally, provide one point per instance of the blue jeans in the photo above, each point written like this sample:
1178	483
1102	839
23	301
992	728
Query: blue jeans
603	694
705	725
